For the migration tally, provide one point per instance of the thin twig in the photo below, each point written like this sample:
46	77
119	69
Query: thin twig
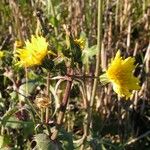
67	77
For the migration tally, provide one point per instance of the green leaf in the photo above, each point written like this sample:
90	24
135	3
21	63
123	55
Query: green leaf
4	140
31	85
8	114
53	21
103	147
44	143
12	123
1	141
88	53
28	128
66	139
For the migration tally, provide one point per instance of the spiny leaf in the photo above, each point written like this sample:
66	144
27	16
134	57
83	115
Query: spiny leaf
88	53
8	114
44	143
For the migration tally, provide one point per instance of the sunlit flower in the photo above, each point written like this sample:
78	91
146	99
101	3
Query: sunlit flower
33	53
120	74
1	54
80	42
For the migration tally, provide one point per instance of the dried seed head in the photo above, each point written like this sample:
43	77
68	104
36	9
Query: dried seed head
42	102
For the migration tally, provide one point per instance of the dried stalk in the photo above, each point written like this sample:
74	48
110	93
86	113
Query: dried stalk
63	107
99	41
99	44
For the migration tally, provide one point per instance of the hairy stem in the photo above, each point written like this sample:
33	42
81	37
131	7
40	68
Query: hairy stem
27	93
48	95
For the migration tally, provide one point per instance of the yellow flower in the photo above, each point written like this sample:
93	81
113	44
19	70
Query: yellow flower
120	74
80	42
33	53
1	54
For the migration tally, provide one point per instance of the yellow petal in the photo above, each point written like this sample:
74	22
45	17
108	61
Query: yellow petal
33	53
120	74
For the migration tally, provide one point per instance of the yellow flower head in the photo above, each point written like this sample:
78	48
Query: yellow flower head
1	54
120	74
80	42
33	53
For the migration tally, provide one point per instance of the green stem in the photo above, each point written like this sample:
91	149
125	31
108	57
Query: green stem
27	100
2	130
42	115
48	95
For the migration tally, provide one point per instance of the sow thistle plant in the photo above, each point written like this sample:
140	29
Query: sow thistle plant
120	74
49	93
